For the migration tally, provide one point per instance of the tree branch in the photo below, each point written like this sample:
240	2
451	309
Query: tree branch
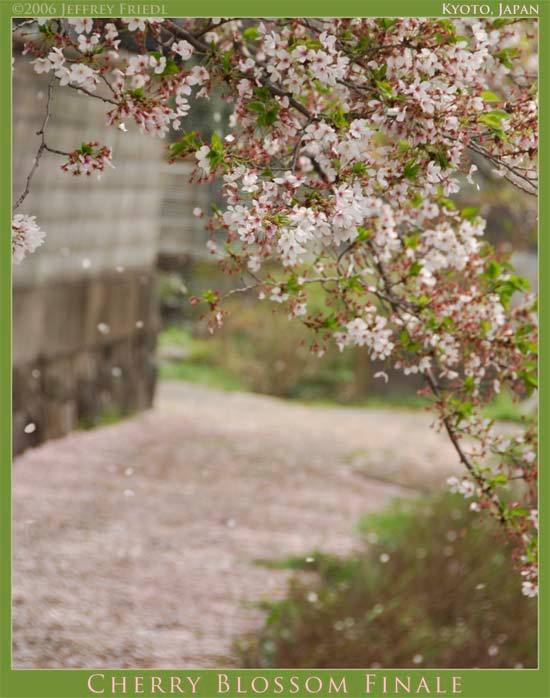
107	100
41	148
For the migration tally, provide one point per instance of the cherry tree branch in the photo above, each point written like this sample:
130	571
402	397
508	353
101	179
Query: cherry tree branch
449	428
464	459
107	100
41	148
512	174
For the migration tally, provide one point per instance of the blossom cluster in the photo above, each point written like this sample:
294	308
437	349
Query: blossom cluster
90	157
75	73
26	236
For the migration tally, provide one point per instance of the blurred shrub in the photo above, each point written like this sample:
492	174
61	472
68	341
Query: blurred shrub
262	351
273	355
259	349
187	358
432	588
266	353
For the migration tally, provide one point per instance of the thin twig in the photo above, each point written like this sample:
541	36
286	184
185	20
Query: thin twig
107	100
515	177
240	289
452	434
41	148
55	151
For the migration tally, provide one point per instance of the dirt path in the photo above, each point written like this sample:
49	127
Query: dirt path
135	544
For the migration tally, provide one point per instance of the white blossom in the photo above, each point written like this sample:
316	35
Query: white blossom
26	236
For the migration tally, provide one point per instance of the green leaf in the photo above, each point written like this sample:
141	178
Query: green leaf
258	107
506	55
505	288
270	116
380	73
446	203
210	296
171	68
469	213
361	46
385	88
354	283
447	25
338	118
262	93
416	200
496	114
216	142
292	284
359	168
462	408
281	219
485	326
86	149
177	149
416	268
188	142
226	61
489	96
251	33
520	283
524	330
422	301
493	269
442	158
499	23
518	511
322	89
411	241
412	168
331	322
493	120
407	343
139	92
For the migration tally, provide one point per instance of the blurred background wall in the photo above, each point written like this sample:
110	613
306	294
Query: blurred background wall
84	308
121	258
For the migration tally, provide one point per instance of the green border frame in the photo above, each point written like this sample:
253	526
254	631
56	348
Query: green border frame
475	683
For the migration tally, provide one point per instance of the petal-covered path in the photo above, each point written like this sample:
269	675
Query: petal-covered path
136	545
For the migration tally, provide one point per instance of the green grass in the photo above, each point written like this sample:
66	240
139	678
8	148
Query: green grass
200	362
103	419
203	363
197	349
396	401
505	409
211	376
213	362
433	586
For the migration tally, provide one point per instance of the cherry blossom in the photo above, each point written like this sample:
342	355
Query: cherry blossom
347	142
90	157
26	236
